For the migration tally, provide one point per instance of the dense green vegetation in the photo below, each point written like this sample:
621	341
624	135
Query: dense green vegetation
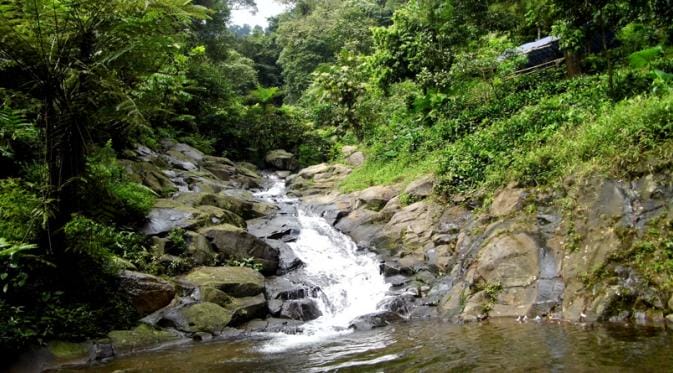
418	84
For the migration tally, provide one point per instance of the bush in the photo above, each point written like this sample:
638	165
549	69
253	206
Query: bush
19	217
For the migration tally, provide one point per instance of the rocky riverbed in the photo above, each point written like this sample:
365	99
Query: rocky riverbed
521	255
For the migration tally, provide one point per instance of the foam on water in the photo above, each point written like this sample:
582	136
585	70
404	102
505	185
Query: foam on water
350	280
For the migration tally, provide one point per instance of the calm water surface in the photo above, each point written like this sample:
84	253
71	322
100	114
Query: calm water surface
429	346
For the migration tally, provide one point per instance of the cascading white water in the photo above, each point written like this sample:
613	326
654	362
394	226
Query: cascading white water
350	280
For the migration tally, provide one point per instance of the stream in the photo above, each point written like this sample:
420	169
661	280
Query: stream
351	285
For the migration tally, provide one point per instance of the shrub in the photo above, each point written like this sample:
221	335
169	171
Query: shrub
19	217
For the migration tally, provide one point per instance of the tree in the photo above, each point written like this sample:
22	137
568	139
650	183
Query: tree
82	60
314	32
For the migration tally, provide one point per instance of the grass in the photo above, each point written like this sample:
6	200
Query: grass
397	171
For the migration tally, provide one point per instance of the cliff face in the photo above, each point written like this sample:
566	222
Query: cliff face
595	249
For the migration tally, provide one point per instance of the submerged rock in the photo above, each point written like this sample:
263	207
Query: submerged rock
274	325
375	320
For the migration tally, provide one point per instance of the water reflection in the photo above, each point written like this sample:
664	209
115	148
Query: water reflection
432	346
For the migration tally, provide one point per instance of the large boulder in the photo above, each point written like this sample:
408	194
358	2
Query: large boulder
234	281
287	259
149	175
356	159
198	318
235	243
281	160
147	293
167	215
376	197
279	227
420	188
246	205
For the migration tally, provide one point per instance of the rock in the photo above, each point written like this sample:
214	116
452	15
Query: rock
69	351
190	153
287	259
215	295
235	243
508	201
274	325
281	160
670	303
242	175
302	309
278	290
199	317
199	249
142	337
420	188
669	318
235	281
375	198
147	293
243	203
356	159
169	214
247	308
510	259
410	228
279	227
149	175
347	150
375	320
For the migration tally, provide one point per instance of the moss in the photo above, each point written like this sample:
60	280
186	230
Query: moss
207	317
141	337
67	350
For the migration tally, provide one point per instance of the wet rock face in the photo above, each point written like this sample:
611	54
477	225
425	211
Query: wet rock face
521	255
147	293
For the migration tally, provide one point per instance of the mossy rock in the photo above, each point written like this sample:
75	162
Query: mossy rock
206	317
64	351
213	295
235	281
167	215
141	337
149	175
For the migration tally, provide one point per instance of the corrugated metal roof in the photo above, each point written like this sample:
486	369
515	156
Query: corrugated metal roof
540	43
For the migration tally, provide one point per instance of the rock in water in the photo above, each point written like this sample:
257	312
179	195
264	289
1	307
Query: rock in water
281	160
147	293
302	309
375	320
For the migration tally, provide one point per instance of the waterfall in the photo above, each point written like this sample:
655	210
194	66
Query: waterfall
351	282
